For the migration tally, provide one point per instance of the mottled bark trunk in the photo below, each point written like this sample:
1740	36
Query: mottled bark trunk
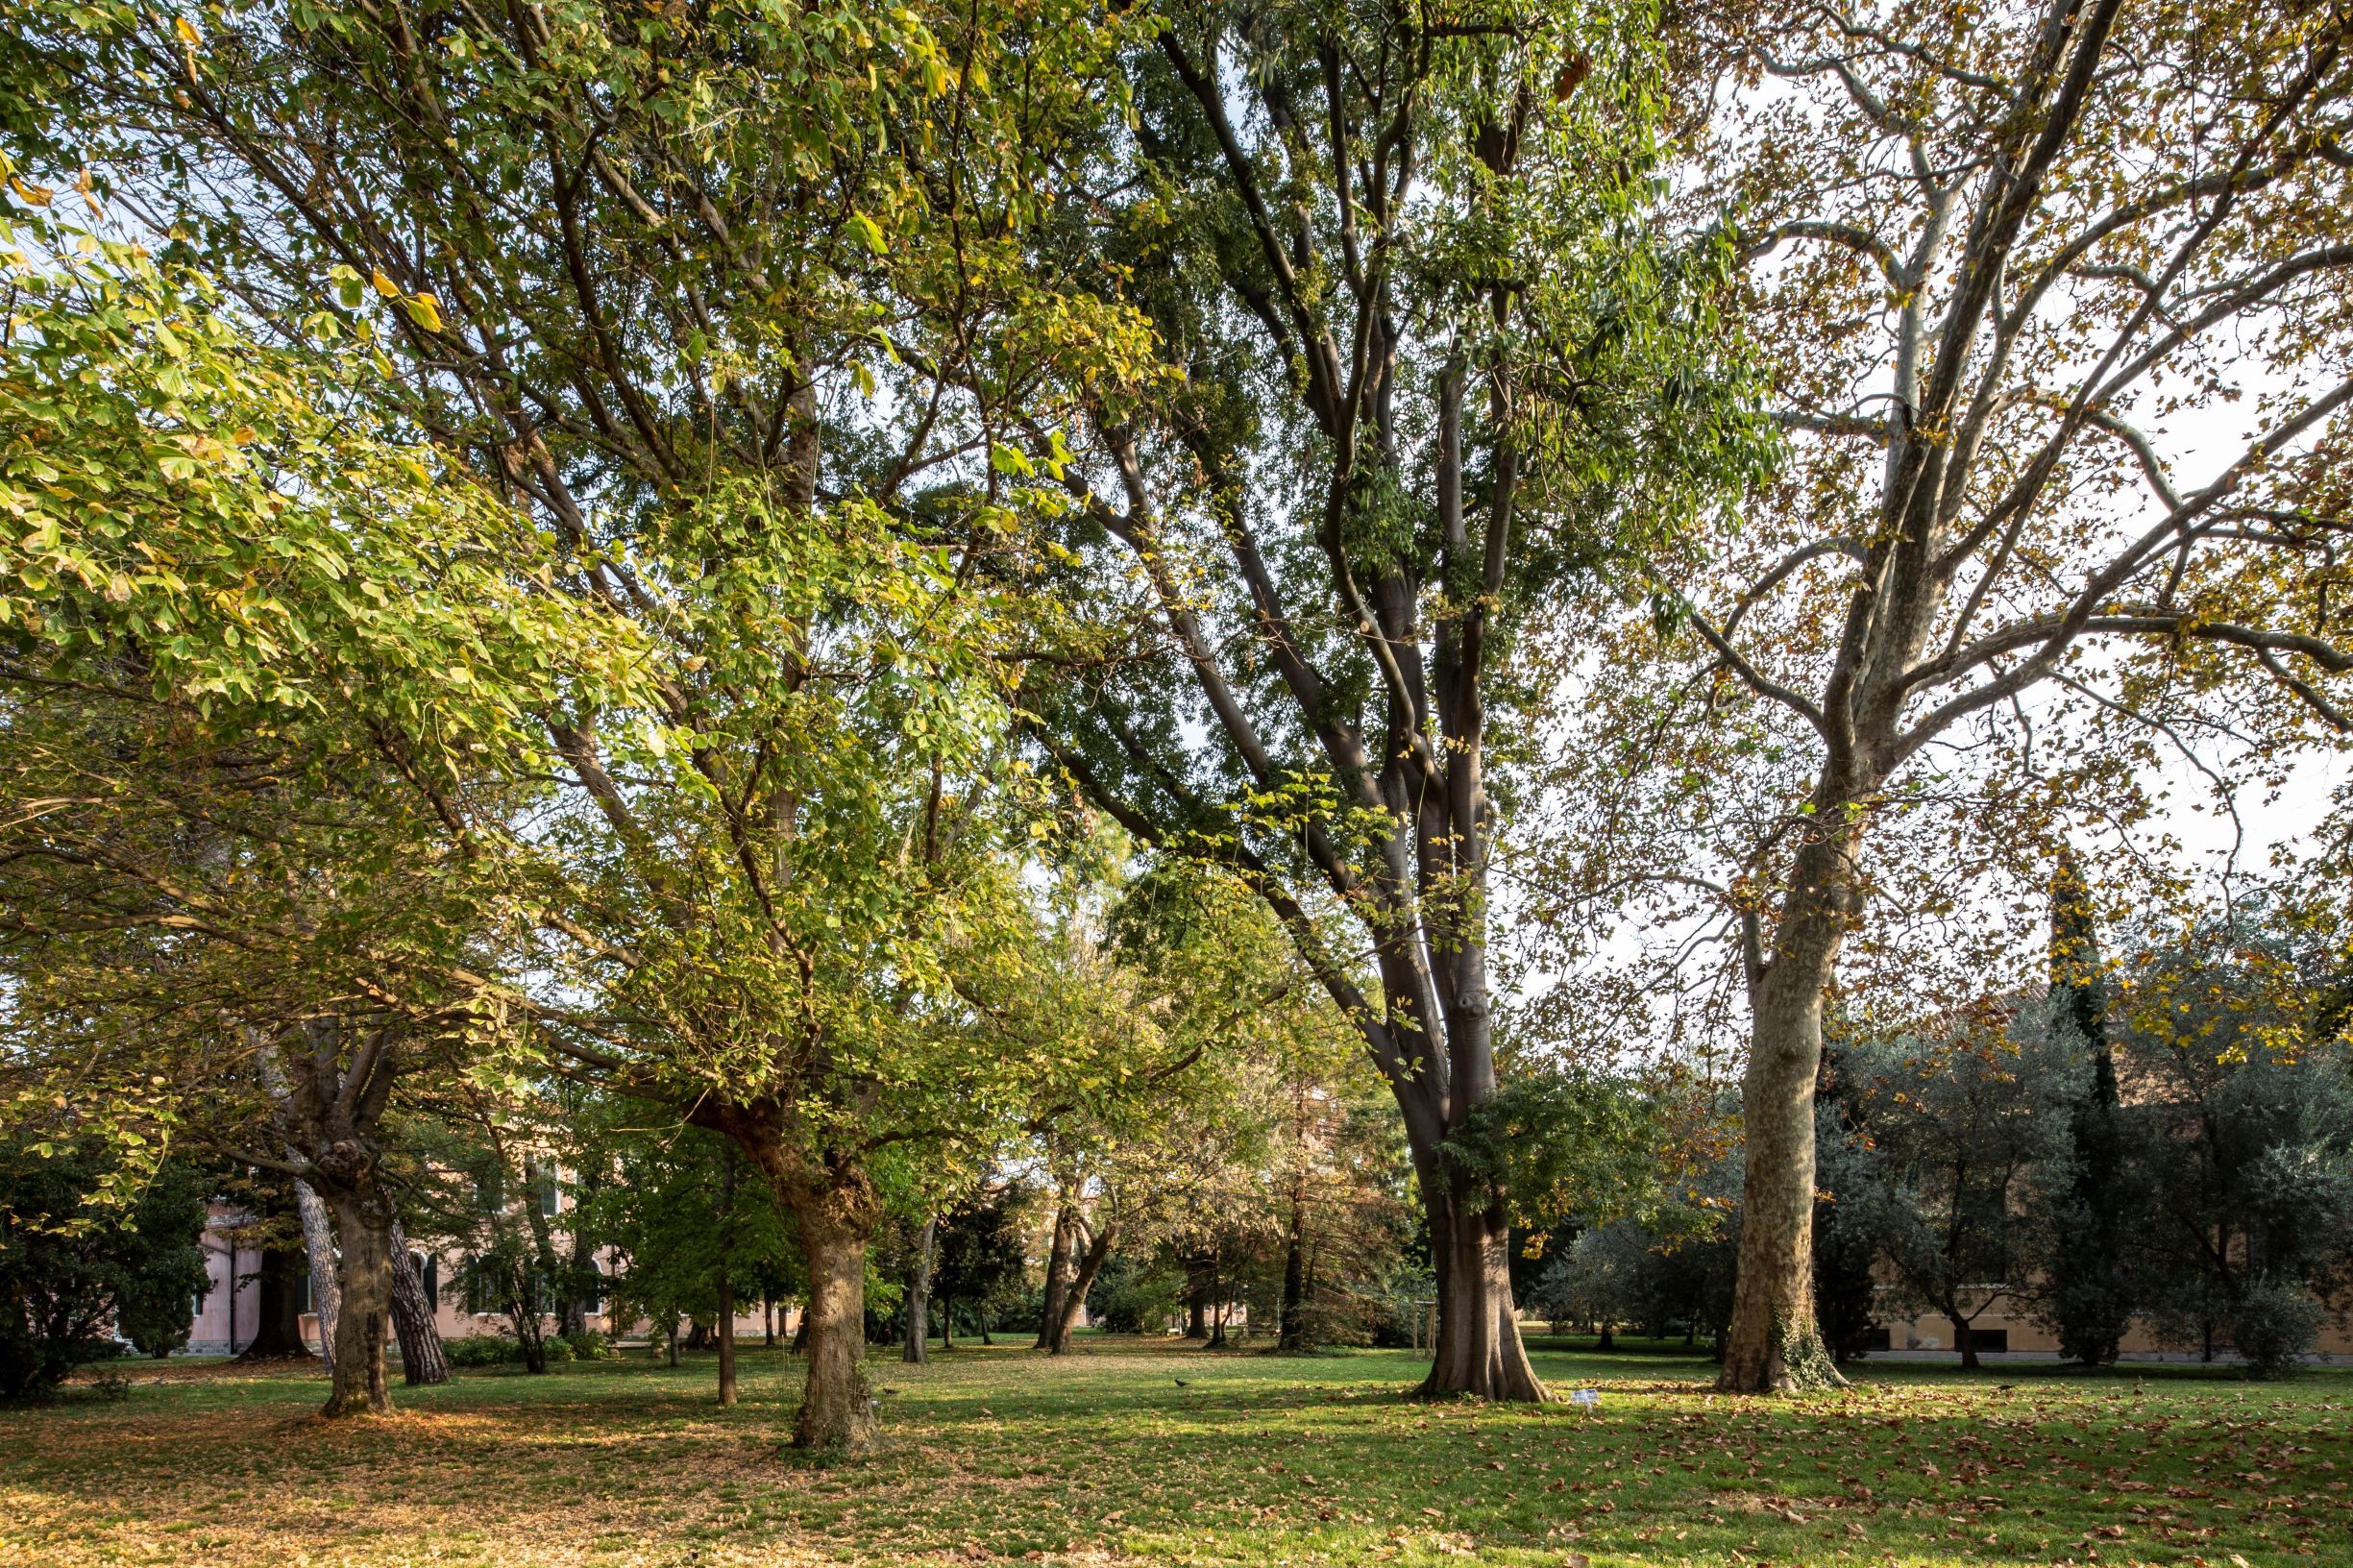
319	1250
1479	1348
363	1285
916	1345
1773	1343
422	1357
836	1409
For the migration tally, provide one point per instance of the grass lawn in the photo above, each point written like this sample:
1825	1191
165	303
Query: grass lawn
1104	1459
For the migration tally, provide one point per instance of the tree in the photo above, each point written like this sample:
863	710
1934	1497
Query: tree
1948	1134
711	339
2088	1297
2246	1139
86	1255
983	1254
1996	549
1605	1278
1423	363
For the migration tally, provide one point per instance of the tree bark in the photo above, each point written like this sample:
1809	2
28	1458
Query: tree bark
1196	1303
1964	1341
363	1284
278	1335
726	1339
1774	1344
422	1357
947	1323
726	1280
917	1345
1479	1349
319	1247
1057	1304
1291	1332
767	1319
836	1409
1074	1299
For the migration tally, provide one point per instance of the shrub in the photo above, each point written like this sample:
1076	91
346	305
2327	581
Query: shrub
74	1265
588	1345
480	1350
2274	1327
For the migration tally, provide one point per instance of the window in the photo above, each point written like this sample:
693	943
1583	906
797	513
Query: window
1990	1341
429	1273
544	1182
592	1290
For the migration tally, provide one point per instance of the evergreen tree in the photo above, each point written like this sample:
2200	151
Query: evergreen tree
2088	1302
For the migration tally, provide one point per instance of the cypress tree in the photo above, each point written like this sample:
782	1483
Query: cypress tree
2089	1300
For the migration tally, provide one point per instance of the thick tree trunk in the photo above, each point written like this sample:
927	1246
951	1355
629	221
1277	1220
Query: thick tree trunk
278	1333
915	1342
1057	1305
1774	1344
767	1320
1479	1349
363	1286
319	1246
1964	1341
836	1409
726	1339
1196	1304
801	1331
422	1357
1074	1300
1609	1336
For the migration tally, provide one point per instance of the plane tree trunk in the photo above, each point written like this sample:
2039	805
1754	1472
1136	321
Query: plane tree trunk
423	1359
916	1345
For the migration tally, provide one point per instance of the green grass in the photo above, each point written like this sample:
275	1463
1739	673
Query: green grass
1103	1459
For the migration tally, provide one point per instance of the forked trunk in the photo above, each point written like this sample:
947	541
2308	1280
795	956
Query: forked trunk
364	1282
422	1357
1774	1344
836	1408
1056	1308
1479	1348
1074	1298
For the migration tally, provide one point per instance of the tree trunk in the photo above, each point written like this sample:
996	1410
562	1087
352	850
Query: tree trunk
917	1340
1074	1300
1479	1349
767	1319
801	1331
1774	1344
319	1245
363	1286
727	1279
726	1339
671	1334
1609	1336
947	1323
1965	1343
1291	1331
278	1335
836	1411
1057	1304
1196	1304
698	1335
422	1357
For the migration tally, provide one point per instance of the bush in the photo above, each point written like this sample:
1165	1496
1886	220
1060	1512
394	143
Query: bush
553	1349
2274	1327
74	1266
481	1350
588	1345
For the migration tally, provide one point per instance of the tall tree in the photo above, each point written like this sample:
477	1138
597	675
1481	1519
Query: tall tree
712	338
2066	454
2088	1294
1430	363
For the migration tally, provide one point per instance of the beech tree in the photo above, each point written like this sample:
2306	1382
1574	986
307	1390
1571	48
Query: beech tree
2052	295
1425	362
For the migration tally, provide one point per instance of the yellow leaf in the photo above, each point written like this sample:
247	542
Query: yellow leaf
383	284
187	30
426	312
